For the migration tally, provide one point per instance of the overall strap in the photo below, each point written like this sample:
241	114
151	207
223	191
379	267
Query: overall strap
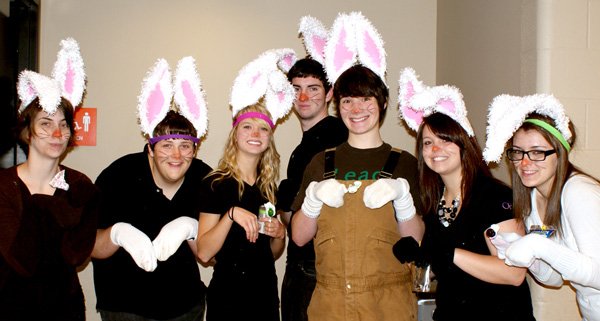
390	164
329	163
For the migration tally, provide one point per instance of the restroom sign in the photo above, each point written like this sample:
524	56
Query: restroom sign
85	126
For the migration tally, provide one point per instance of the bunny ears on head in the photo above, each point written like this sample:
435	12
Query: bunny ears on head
507	114
265	77
353	40
417	101
158	89
314	35
68	80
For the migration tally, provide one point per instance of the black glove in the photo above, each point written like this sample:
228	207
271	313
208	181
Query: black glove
407	250
442	259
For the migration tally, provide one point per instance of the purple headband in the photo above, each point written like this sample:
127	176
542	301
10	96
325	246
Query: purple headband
154	140
254	114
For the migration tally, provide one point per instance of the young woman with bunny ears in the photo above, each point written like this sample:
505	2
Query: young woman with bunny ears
461	200
559	203
356	200
145	265
47	211
244	282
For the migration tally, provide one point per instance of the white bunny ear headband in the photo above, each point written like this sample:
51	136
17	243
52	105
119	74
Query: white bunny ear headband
158	89
507	114
314	36
353	40
68	80
417	101
265	77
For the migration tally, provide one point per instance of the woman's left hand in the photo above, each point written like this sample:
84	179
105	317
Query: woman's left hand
274	228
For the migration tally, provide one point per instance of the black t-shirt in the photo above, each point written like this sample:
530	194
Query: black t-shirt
130	195
244	281
329	132
461	296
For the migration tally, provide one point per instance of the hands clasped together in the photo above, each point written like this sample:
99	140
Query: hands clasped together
331	192
147	253
249	222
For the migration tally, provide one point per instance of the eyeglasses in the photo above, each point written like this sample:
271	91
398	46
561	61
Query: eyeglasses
534	155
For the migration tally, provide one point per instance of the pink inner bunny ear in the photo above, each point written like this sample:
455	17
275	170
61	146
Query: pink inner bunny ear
69	72
69	79
413	117
447	105
154	104
155	97
370	49
340	51
190	98
319	45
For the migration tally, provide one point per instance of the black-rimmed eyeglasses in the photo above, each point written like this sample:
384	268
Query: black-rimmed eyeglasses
534	155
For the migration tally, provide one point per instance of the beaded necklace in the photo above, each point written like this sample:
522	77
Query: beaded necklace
447	215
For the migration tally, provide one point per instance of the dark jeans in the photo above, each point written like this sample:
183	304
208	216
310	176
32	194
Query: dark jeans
298	285
195	314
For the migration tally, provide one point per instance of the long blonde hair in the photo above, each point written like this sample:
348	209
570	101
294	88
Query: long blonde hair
268	165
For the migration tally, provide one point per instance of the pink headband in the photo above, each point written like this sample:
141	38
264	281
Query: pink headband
253	114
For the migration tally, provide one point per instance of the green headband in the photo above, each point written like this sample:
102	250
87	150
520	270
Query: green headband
551	130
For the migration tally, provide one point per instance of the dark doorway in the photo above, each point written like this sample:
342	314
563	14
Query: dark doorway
19	30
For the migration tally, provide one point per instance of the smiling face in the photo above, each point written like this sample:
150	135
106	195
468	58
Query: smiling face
538	174
360	115
311	98
171	158
441	156
252	136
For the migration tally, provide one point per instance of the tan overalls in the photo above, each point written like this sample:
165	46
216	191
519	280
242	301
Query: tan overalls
358	277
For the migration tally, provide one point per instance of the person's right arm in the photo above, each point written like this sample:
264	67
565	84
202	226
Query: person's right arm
213	230
104	247
304	228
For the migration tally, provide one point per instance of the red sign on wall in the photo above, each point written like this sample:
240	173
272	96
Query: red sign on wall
85	126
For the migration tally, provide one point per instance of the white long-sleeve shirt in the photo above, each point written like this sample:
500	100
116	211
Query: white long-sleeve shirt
576	255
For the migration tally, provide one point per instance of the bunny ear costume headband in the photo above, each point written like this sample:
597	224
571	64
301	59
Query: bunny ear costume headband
507	114
265	77
417	101
314	35
68	80
186	90
353	40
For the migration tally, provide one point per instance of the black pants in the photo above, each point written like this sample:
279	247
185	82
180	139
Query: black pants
195	314
298	285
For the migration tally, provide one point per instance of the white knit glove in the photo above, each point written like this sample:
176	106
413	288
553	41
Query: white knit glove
502	240
388	189
329	191
136	243
524	251
172	235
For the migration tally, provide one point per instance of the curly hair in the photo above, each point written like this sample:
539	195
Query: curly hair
268	165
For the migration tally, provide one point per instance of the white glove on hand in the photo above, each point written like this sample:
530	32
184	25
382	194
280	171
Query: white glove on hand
524	251
329	191
172	235
502	241
388	189
136	243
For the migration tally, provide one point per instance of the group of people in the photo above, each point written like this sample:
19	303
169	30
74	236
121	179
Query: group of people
357	211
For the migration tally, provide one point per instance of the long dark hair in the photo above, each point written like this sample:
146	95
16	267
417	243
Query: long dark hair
564	170
431	184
